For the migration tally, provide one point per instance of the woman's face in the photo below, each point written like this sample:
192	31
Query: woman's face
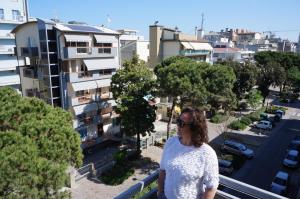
184	128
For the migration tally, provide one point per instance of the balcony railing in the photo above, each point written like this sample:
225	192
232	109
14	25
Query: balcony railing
194	52
15	19
85	99
85	76
105	96
7	50
239	187
87	52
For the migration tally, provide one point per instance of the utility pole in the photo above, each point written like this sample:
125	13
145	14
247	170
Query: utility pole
202	21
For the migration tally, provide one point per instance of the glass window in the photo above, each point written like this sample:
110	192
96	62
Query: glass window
15	14
1	13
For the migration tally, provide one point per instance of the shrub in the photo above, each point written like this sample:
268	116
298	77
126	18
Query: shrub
246	120
117	174
237	125
218	118
120	156
272	109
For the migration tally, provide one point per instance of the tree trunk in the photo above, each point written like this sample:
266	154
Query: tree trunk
170	119
264	100
138	144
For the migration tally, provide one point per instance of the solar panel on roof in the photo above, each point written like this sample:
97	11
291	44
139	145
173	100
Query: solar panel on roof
83	28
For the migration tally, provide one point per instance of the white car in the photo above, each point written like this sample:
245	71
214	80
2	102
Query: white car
280	183
291	159
263	124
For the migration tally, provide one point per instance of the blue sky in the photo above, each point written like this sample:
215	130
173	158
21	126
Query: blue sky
256	15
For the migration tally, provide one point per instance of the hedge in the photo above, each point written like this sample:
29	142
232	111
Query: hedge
218	118
237	125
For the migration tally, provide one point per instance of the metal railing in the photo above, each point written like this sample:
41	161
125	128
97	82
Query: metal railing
229	183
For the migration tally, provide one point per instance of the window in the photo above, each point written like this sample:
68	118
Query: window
104	50
15	14
1	13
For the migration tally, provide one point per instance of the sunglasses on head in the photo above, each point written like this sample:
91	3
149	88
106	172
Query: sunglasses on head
181	123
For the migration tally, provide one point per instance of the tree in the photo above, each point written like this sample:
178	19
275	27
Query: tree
254	98
131	86
219	80
37	144
180	79
293	76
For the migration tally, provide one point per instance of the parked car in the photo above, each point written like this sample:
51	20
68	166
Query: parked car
281	112
264	116
264	124
225	167
280	183
291	159
296	139
294	146
237	148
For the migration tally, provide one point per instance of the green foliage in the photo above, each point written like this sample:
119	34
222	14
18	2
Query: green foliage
131	86
219	80
237	125
146	190
255	116
272	109
117	174
218	118
246	77
254	98
246	120
37	144
120	156
237	161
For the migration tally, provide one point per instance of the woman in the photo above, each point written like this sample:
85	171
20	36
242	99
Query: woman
189	166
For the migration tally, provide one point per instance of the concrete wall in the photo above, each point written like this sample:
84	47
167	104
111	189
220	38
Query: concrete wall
156	51
28	33
143	50
9	5
171	48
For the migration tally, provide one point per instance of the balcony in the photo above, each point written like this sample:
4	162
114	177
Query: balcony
194	52
7	50
17	19
85	76
7	36
85	99
7	79
105	96
87	52
233	189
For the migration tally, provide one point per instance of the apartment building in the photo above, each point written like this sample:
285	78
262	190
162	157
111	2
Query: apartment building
133	44
233	54
166	42
12	13
71	66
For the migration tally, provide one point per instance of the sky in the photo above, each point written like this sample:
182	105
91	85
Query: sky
282	16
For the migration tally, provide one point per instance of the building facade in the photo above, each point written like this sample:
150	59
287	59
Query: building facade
70	66
232	54
133	44
166	42
12	13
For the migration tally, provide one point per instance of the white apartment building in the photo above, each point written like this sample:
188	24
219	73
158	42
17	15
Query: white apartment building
71	66
166	42
12	13
233	54
133	44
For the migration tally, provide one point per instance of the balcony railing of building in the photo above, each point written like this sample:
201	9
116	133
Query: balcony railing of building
194	52
88	52
86	76
239	189
6	50
15	19
7	36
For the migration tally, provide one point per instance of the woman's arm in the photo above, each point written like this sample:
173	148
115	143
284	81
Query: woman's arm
209	193
161	182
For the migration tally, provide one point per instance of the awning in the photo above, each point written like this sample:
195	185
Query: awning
105	39
100	64
78	38
197	46
80	86
187	45
85	108
201	46
103	83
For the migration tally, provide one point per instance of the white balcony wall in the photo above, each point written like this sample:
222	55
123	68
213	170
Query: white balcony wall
7	79
10	63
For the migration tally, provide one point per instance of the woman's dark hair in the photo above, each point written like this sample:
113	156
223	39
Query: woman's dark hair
198	126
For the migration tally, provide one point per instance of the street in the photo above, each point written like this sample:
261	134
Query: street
261	170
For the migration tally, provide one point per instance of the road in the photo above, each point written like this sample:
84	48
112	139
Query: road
261	170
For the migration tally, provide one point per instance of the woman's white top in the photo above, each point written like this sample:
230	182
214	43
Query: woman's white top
189	170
